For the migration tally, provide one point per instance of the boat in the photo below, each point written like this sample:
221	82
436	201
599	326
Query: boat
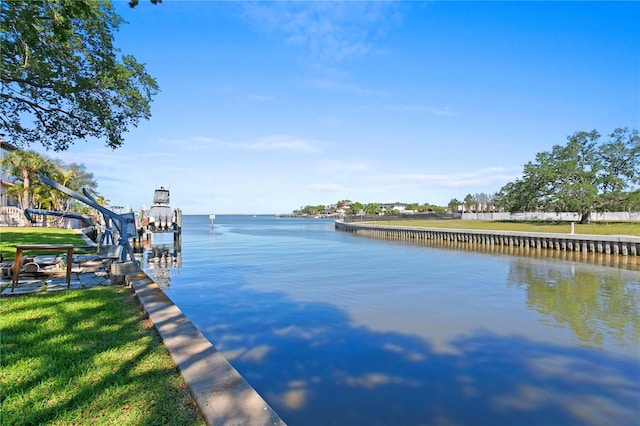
160	217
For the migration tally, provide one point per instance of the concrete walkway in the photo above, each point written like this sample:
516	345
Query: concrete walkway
84	273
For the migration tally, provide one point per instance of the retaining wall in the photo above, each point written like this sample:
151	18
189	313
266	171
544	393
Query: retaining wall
222	395
618	245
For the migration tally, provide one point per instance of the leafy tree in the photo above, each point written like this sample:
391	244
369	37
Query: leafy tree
453	205
390	211
310	210
468	202
436	209
371	209
585	175
355	208
76	177
62	78
134	3
412	206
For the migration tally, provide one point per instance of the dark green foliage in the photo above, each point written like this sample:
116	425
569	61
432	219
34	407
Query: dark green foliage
585	175
62	77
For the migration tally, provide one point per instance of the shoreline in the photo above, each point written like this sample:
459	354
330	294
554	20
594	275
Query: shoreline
581	243
222	395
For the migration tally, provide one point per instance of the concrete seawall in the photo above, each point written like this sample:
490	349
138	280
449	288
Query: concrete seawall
222	395
606	244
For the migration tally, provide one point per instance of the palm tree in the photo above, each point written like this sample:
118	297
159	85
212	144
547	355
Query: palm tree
24	166
62	176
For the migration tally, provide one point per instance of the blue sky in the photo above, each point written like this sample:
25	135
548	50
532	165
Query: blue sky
269	106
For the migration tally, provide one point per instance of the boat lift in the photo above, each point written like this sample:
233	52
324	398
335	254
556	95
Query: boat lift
29	212
125	224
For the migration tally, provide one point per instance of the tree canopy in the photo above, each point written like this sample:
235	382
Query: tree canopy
585	175
63	79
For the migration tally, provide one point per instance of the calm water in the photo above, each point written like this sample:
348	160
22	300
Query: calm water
331	328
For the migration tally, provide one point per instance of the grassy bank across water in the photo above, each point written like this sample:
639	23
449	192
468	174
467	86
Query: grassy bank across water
87	357
596	228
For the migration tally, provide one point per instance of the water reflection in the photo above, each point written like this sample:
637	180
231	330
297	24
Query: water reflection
158	258
316	366
335	329
596	295
593	302
598	259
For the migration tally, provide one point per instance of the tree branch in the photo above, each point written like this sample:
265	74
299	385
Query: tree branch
8	80
39	108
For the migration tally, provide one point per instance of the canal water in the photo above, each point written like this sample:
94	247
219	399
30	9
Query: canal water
336	329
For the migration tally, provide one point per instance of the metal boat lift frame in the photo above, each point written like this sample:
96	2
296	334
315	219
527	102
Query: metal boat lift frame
124	224
29	212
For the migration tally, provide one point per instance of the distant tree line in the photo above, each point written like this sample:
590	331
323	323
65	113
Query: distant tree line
369	209
585	175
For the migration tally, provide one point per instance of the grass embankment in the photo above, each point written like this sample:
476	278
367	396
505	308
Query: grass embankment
597	228
87	357
84	357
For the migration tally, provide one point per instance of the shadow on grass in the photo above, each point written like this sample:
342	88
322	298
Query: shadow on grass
79	358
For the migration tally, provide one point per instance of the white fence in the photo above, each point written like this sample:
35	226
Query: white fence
14	216
11	216
555	217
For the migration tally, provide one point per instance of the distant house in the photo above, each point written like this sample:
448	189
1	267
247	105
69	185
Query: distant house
343	207
389	207
10	211
330	210
6	199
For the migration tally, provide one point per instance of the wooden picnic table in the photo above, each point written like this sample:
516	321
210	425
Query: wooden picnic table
17	264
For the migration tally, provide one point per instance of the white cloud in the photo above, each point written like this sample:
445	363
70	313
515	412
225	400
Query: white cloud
344	166
265	143
485	177
328	187
438	111
256	97
282	142
347	88
328	30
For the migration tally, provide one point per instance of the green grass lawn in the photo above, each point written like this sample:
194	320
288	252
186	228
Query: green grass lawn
10	237
86	357
599	228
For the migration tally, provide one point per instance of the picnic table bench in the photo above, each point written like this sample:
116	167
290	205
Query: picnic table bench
17	264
